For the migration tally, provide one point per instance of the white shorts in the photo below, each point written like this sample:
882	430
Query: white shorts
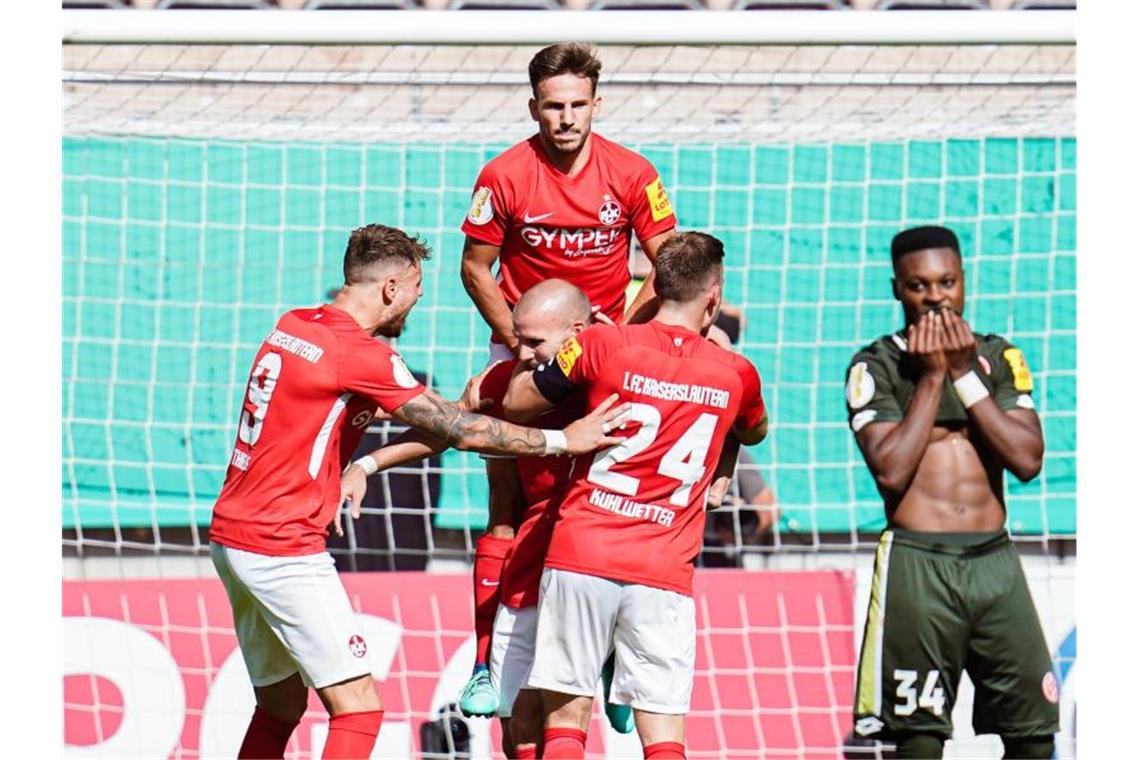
652	632
512	653
291	614
497	352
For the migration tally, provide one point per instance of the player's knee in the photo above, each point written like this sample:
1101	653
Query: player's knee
285	700
355	696
919	747
1028	747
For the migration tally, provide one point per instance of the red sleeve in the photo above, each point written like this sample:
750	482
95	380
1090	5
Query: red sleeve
373	369
583	356
652	212
494	387
752	404
489	215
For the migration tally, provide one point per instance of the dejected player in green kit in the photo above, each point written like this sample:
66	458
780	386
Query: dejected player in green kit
939	412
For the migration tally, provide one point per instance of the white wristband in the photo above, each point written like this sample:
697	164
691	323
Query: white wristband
368	464
555	442
970	389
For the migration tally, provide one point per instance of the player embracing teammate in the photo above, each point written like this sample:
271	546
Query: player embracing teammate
619	567
562	204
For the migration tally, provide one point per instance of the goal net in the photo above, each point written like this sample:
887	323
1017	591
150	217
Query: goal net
208	188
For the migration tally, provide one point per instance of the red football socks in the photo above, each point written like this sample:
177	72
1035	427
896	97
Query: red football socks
266	737
665	751
352	735
563	744
490	551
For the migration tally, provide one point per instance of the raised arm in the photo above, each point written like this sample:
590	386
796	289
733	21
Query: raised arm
722	475
1014	435
644	306
893	450
475	272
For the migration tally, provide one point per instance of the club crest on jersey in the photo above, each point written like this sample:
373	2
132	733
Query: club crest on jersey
860	386
401	374
609	212
659	204
482	209
357	646
568	356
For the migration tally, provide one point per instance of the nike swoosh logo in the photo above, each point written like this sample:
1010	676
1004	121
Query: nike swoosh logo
528	219
486	582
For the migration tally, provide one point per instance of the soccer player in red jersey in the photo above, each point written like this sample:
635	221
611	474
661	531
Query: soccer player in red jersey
619	567
544	318
292	617
562	204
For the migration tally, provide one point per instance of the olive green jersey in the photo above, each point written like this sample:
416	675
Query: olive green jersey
882	378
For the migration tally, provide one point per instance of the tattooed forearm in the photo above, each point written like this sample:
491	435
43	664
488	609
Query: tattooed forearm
464	430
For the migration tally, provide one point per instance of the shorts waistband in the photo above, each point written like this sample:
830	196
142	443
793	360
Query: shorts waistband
958	544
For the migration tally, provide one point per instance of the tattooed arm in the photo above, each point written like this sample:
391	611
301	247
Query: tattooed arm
464	430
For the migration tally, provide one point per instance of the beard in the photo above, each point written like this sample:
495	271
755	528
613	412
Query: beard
393	328
567	146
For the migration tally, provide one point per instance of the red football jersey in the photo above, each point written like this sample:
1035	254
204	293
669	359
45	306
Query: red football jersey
542	478
635	512
315	383
573	228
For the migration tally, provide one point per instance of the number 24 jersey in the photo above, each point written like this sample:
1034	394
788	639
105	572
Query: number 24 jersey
635	512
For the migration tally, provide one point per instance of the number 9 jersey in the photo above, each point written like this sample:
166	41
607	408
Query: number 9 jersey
635	512
315	383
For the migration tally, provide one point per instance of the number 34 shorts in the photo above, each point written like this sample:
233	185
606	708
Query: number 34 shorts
942	603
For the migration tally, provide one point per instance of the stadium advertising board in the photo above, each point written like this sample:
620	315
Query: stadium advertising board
152	668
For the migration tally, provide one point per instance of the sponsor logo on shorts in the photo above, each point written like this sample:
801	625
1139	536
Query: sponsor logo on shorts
357	646
869	725
488	582
362	419
1049	687
482	209
609	212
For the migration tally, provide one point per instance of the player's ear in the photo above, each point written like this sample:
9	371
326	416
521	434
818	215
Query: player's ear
895	289
532	104
389	286
597	105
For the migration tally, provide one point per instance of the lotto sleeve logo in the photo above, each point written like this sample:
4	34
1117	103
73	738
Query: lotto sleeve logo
659	204
482	209
568	355
1022	380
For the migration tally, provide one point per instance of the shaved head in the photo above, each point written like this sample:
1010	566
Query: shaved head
545	316
557	299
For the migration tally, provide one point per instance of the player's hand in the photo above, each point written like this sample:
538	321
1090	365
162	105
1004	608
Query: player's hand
470	400
599	317
719	337
717	493
958	343
924	341
353	485
592	432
